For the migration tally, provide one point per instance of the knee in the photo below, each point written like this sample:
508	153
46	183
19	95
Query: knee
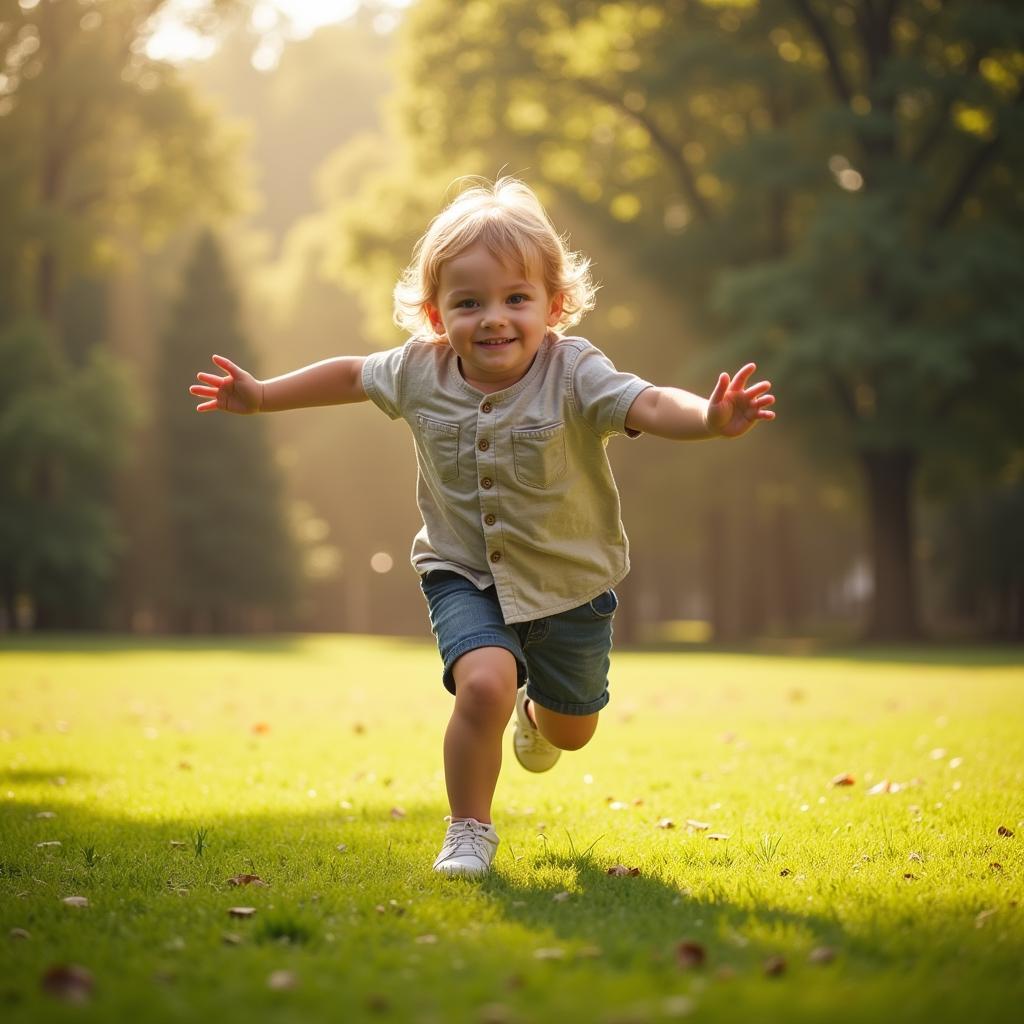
573	741
486	694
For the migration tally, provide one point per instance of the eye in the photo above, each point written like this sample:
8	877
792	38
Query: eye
518	299
465	303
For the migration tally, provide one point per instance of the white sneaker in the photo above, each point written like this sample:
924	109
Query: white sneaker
533	752
469	847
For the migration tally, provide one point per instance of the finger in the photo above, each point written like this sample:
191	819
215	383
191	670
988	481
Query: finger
743	375
202	392
720	389
226	364
763	400
758	389
765	414
207	406
212	378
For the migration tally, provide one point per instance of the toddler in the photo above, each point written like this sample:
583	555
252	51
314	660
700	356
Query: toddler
522	541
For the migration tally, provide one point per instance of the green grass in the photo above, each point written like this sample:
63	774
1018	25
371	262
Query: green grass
269	755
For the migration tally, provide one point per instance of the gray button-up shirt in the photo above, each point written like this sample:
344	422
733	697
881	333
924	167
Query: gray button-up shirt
514	487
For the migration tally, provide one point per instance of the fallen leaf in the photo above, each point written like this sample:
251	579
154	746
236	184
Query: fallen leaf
241	911
358	728
983	916
185	766
995	866
690	955
909	876
261	728
589	952
178	844
246	880
495	1013
638	802
282	981
666	823
231	939
341	847
19	933
1004	831
616	805
697	826
774	966
915	856
75	901
426	940
48	842
821	955
844	779
677	1006
879	787
620	870
397	812
717	836
46	814
551	953
561	897
784	872
69	982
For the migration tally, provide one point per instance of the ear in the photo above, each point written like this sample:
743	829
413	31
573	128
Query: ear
555	312
434	316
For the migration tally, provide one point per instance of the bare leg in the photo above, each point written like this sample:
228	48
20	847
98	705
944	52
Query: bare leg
485	694
567	732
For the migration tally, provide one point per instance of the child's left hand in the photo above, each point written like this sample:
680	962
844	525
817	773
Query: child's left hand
734	408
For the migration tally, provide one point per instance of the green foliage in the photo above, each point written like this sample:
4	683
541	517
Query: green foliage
64	430
232	555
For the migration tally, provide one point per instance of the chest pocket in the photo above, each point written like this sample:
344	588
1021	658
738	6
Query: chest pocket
539	455
440	444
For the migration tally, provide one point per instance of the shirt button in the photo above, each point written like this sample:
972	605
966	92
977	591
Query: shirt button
490	519
484	445
486	407
487	483
495	556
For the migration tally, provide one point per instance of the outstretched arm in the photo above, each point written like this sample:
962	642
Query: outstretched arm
732	409
330	382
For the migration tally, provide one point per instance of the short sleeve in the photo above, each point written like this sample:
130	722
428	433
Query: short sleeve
382	379
602	395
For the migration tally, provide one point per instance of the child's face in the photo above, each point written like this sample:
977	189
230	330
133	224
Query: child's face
495	316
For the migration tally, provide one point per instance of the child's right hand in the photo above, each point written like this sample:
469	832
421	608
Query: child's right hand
238	392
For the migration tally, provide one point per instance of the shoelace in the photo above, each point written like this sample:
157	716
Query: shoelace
466	837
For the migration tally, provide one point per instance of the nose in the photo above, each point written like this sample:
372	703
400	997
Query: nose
493	317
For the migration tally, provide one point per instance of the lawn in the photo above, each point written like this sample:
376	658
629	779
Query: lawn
142	776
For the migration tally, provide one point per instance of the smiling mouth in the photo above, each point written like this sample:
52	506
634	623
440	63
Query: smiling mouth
495	342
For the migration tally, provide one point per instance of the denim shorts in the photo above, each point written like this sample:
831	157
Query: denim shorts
562	659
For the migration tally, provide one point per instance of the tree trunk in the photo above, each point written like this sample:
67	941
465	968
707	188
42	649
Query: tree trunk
889	476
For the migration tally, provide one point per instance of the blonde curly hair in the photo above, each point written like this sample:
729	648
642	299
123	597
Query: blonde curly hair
507	217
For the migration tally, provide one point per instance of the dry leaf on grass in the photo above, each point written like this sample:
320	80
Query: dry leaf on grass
19	933
75	901
983	916
241	911
397	812
718	836
1004	831
665	823
261	728
843	779
246	880
697	826
690	955
620	871
775	966
282	981
426	940
561	897
46	814
178	844
69	982
551	953
821	955
48	842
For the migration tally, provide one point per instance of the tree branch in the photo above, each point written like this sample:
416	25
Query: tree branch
835	68
666	146
969	175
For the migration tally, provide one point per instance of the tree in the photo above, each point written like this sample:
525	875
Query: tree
61	439
834	187
232	562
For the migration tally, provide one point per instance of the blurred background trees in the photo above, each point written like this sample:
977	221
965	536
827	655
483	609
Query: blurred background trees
833	189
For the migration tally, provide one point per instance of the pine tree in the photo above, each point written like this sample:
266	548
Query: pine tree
232	563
